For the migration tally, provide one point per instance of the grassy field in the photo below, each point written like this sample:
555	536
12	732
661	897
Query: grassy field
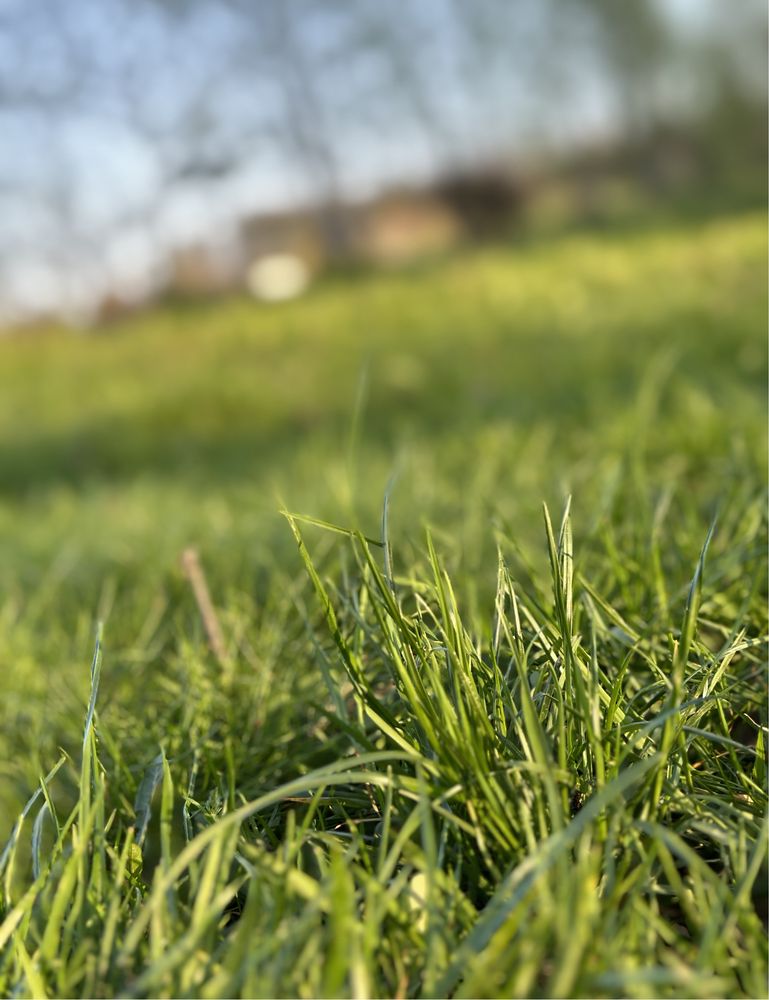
454	744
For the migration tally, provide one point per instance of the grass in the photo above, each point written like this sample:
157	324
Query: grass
452	746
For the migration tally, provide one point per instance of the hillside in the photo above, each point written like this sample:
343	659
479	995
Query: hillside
448	751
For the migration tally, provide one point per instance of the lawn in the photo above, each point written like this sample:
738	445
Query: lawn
466	736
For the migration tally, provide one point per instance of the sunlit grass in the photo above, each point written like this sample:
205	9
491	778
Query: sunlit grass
452	748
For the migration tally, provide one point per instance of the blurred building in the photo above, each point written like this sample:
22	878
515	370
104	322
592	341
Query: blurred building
404	225
298	233
197	270
397	227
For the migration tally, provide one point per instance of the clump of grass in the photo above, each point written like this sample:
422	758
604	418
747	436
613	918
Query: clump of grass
563	795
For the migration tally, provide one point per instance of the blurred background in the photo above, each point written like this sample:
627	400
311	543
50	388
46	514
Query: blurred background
195	147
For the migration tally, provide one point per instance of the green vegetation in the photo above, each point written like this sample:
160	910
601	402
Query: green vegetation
450	748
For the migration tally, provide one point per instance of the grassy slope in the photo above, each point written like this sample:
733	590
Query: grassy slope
628	371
